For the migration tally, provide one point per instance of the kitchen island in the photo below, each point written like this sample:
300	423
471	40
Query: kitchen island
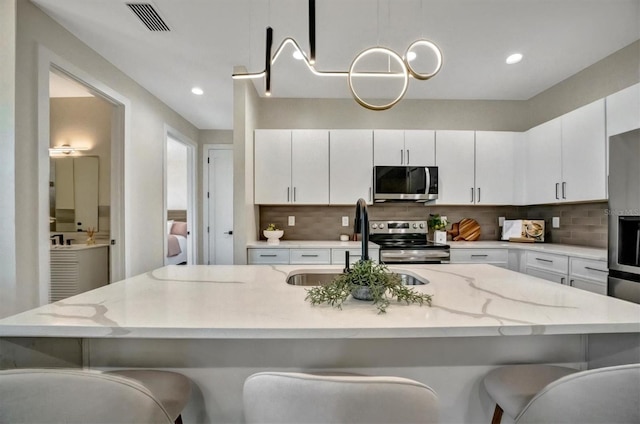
219	324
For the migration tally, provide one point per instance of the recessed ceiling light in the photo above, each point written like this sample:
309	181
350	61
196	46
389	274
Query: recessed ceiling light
297	55
197	91
411	56
514	58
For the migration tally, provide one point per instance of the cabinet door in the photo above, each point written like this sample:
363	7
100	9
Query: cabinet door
455	158
388	148
623	110
495	169
350	166
272	166
420	147
310	167
592	286
546	275
543	163
583	154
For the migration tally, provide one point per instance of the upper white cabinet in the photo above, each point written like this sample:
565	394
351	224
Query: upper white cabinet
496	158
566	159
623	110
351	166
455	159
404	147
291	166
476	168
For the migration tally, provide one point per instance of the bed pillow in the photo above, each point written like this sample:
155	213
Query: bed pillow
169	226
179	229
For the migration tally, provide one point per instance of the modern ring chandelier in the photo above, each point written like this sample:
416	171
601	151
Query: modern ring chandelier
406	70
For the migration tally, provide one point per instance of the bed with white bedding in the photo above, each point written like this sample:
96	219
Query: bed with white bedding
177	243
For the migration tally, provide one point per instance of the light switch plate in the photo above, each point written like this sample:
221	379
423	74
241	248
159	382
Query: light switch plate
555	222
292	221
345	221
500	221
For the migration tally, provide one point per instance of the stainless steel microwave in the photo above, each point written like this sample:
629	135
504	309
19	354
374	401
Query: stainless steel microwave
405	183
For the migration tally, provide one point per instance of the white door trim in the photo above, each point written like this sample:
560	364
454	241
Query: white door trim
205	186
192	211
120	142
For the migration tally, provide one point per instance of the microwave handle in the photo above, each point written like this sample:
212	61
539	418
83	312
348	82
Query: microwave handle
427	173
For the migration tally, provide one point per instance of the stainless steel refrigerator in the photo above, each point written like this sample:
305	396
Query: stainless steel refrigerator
624	216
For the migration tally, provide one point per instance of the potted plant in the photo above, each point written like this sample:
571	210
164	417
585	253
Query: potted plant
273	234
366	280
437	224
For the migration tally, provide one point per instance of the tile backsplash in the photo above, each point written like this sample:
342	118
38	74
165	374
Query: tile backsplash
580	224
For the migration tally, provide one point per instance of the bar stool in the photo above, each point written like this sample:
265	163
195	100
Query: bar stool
75	397
170	388
281	397
545	393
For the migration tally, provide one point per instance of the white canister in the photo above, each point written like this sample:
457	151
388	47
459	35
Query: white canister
440	237
344	237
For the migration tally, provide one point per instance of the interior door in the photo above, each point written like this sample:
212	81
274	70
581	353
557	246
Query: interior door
220	206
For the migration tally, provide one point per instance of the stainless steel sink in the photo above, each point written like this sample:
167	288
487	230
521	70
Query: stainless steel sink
322	279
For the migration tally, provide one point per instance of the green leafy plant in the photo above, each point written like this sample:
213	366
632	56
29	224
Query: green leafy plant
272	227
383	286
437	222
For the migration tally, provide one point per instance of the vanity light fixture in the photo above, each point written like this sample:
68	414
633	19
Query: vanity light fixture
406	70
514	58
65	149
197	91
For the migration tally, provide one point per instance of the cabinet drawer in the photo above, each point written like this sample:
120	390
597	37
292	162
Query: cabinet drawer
268	256
310	256
479	256
589	269
548	261
546	275
337	255
592	286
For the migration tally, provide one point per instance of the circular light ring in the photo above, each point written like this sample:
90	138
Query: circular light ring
397	58
436	51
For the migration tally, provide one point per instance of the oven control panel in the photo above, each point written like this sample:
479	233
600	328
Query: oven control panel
397	227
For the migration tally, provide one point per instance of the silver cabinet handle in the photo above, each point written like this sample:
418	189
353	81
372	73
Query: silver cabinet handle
288	190
370	194
562	280
557	185
472	194
294	194
408	161
571	282
479	256
228	232
544	260
564	190
401	157
595	269
267	256
478	194
309	256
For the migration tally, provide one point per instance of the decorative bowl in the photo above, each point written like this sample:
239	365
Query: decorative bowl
273	237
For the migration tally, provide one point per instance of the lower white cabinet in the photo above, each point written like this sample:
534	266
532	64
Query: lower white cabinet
588	275
547	266
305	256
77	270
310	256
338	255
497	257
268	256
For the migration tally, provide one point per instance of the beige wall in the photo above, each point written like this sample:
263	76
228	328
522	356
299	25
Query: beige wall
8	287
144	163
215	137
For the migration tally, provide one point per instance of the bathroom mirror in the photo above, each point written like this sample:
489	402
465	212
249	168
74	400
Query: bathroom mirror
73	193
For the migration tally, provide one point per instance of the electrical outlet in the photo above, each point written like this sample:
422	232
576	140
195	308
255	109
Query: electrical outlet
292	221
500	221
345	221
555	222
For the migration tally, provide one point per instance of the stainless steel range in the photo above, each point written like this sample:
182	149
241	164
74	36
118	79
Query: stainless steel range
405	242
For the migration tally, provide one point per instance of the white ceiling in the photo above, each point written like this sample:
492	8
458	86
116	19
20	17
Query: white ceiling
209	37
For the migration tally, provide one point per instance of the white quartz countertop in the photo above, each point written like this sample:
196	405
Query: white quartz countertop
310	244
559	249
254	301
62	248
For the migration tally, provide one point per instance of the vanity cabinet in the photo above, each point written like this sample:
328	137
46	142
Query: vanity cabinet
566	158
351	166
291	167
404	148
75	270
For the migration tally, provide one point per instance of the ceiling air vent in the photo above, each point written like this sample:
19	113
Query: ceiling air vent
148	16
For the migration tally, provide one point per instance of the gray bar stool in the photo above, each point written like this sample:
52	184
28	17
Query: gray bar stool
170	388
281	397
545	394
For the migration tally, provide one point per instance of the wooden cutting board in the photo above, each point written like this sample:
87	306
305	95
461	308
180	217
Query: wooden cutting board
469	230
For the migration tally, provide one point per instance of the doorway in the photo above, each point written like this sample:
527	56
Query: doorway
180	241
218	188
